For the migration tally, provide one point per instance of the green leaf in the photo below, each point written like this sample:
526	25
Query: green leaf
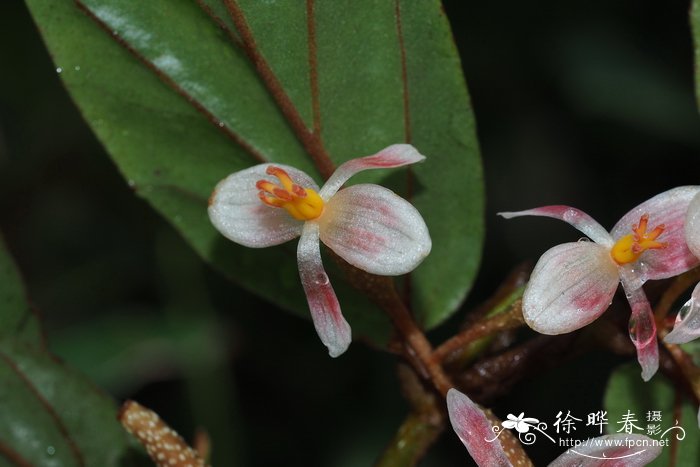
51	416
17	321
626	392
168	88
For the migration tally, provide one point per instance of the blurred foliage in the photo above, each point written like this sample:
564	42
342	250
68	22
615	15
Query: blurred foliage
51	415
586	104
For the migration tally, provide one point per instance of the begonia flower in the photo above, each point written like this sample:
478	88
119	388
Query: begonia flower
574	283
367	225
476	432
687	325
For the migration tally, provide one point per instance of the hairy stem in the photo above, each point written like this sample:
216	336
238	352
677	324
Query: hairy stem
511	319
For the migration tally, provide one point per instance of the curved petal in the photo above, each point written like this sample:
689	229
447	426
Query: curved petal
687	325
395	155
328	320
642	329
618	450
578	219
237	212
668	208
374	229
475	431
572	284
692	226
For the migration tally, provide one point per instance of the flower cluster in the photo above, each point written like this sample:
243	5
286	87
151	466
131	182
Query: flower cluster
375	230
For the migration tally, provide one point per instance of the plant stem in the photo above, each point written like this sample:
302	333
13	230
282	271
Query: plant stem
511	319
415	340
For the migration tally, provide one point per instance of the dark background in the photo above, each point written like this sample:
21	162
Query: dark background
589	104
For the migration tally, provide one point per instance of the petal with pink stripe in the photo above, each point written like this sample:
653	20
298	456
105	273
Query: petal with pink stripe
374	229
692	226
475	431
642	329
396	155
575	217
328	320
571	285
668	208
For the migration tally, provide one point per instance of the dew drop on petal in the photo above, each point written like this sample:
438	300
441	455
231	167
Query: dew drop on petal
642	271
584	239
570	215
685	310
633	329
641	329
321	279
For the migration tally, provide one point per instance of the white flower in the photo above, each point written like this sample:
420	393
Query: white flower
574	283
367	225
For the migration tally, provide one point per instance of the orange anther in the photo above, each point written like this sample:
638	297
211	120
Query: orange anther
301	203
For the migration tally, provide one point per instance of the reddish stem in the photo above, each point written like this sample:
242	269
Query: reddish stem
415	340
511	320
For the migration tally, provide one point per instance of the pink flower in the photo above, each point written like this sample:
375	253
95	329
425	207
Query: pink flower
369	226
574	283
687	325
479	437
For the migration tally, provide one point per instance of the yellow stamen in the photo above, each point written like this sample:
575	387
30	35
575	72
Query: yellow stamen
630	247
301	203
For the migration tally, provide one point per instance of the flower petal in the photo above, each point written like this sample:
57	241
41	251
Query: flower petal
692	226
668	208
374	229
687	325
577	218
572	284
328	320
237	212
395	155
618	450
642	329
474	429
